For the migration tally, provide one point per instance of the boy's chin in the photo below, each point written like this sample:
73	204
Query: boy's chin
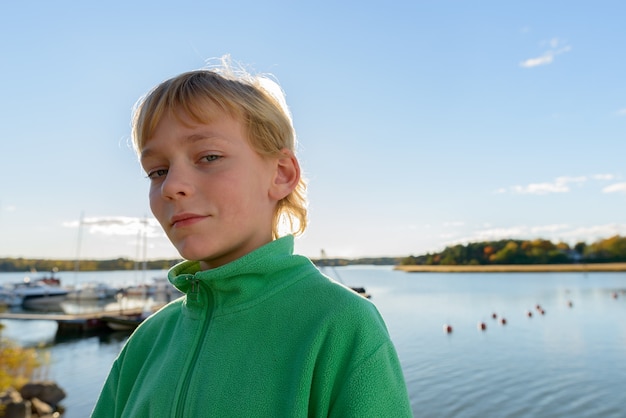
205	258
188	254
192	255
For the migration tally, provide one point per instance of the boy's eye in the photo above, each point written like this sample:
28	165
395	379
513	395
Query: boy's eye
156	173
212	157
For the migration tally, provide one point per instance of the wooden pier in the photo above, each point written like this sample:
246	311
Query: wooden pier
69	323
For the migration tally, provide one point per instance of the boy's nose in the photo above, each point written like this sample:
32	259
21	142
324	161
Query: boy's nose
176	185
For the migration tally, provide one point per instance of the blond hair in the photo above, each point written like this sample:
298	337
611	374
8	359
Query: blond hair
257	101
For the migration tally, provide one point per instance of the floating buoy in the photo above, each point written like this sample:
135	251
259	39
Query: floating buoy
570	303
529	314
494	315
502	321
538	307
482	326
447	328
542	311
614	295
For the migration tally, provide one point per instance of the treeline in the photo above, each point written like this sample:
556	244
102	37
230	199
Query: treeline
538	251
26	264
41	265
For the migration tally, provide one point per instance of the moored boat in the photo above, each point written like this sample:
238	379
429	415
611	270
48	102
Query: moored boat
37	294
92	291
9	299
123	322
159	288
357	289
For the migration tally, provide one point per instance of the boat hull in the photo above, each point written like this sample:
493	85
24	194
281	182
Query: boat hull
43	301
123	323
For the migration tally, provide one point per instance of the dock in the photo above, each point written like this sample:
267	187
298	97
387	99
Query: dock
72	323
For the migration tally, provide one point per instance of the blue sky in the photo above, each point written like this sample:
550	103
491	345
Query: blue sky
421	123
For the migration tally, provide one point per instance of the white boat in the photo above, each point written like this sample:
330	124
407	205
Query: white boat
9	299
92	291
159	288
36	294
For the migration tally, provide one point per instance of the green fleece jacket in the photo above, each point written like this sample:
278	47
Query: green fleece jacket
266	335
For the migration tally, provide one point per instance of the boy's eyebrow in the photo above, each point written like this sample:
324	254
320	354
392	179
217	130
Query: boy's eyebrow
147	151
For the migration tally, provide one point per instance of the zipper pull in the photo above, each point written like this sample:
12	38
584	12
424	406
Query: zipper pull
192	295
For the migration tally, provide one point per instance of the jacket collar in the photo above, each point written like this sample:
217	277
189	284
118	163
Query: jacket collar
241	281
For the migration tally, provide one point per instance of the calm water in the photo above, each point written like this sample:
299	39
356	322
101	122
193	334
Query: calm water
570	362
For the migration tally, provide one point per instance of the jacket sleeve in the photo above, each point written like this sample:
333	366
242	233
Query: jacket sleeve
106	405
374	388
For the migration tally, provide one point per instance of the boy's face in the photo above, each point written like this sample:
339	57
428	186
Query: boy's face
209	190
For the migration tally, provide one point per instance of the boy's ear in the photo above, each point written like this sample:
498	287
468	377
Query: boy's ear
286	177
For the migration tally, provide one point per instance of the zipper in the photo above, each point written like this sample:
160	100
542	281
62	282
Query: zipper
192	295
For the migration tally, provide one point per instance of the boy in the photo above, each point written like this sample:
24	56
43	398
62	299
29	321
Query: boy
260	332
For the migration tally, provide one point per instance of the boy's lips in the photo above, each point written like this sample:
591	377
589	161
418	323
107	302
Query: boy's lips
184	219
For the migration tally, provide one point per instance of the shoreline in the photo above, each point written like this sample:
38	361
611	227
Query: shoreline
515	268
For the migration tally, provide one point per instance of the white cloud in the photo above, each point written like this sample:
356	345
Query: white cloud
453	224
594	232
615	188
603	177
554	232
566	179
540	188
559	185
119	226
553	43
548	228
494	234
548	56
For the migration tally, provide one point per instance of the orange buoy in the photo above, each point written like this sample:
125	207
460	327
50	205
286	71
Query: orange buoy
482	326
529	314
502	321
447	328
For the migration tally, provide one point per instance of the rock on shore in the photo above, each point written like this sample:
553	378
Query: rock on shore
33	400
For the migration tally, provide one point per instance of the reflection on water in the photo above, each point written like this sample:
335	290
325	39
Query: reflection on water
30	333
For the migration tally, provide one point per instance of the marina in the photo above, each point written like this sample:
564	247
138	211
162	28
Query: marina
87	306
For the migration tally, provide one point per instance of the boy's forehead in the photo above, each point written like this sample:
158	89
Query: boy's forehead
188	116
201	114
199	127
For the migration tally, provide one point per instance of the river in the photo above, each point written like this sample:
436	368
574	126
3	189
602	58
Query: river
568	362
